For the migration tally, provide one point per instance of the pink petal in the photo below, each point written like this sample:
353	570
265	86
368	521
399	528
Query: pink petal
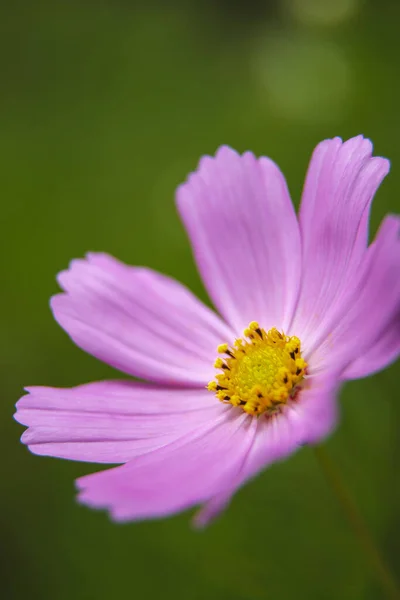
212	509
382	353
111	421
245	237
174	477
365	327
138	321
341	182
308	421
209	464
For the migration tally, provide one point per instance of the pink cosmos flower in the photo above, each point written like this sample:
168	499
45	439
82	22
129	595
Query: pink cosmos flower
305	305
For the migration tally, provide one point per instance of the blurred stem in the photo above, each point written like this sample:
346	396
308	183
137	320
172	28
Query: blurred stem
358	524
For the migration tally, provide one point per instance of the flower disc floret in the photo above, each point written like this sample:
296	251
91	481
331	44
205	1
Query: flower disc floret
261	372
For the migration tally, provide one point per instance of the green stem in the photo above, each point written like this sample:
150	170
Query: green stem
360	528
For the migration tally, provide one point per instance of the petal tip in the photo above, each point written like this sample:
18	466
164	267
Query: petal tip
59	305
226	151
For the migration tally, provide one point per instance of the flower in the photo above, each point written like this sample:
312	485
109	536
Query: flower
305	305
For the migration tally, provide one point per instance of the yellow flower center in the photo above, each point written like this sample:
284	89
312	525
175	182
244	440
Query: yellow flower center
260	372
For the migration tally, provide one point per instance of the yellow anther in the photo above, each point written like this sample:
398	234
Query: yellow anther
300	364
235	401
284	378
260	372
279	395
251	407
275	336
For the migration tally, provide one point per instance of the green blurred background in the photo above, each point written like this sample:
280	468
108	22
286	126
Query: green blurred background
104	108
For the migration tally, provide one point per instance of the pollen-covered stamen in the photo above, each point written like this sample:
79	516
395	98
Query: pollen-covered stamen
260	372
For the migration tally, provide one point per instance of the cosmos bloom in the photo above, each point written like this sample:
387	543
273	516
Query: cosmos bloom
305	305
